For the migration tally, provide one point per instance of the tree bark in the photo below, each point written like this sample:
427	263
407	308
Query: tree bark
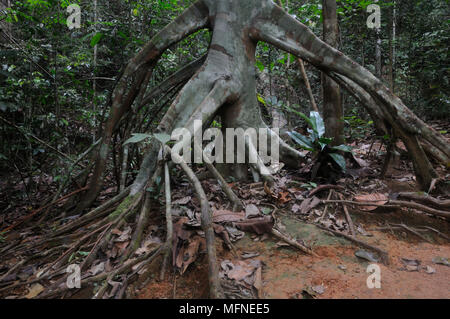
333	112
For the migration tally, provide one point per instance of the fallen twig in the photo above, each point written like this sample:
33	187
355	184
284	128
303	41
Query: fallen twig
412	231
321	188
383	254
292	242
394	204
348	218
426	199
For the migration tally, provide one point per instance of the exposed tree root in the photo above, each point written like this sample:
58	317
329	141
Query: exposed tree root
383	254
395	204
221	84
168	245
206	218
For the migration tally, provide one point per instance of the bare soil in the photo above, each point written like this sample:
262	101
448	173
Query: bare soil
287	272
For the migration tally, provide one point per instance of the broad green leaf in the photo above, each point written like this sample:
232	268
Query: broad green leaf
301	140
136	138
318	124
260	99
259	65
163	138
339	159
96	38
303	116
324	141
343	148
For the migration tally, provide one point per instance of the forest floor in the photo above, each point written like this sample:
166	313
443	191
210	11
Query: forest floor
255	262
335	273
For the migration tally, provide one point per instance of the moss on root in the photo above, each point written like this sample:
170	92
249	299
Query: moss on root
126	203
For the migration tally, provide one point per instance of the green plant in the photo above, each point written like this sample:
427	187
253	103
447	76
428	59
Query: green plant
317	143
309	186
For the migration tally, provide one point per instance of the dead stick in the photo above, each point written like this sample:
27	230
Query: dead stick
326	206
412	231
324	188
383	254
168	245
348	218
292	242
206	221
437	232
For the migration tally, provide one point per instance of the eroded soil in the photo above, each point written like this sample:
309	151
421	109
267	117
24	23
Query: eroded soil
287	272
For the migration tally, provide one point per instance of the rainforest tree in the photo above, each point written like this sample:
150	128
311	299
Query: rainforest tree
222	84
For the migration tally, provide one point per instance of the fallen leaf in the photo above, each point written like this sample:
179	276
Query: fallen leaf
95	270
234	233
309	204
251	211
35	290
320	289
188	253
441	261
242	271
284	197
410	262
412	268
258	281
430	270
124	235
260	225
247	255
295	208
182	201
377	198
220	216
366	255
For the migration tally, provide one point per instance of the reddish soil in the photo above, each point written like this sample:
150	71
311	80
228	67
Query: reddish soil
287	272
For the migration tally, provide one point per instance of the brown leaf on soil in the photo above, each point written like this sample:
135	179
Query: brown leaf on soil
124	235
182	201
259	225
309	204
251	211
361	163
188	253
121	246
95	270
284	197
243	272
377	198
220	216
222	232
268	191
35	290
186	245
258	281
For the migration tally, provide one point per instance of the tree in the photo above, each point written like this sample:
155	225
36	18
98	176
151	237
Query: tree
333	111
223	84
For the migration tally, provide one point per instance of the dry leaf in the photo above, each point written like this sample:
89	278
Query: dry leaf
259	225
220	216
309	204
258	281
377	198
251	211
35	290
182	201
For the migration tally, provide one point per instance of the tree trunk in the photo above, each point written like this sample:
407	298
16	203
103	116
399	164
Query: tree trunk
333	112
378	63
225	86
